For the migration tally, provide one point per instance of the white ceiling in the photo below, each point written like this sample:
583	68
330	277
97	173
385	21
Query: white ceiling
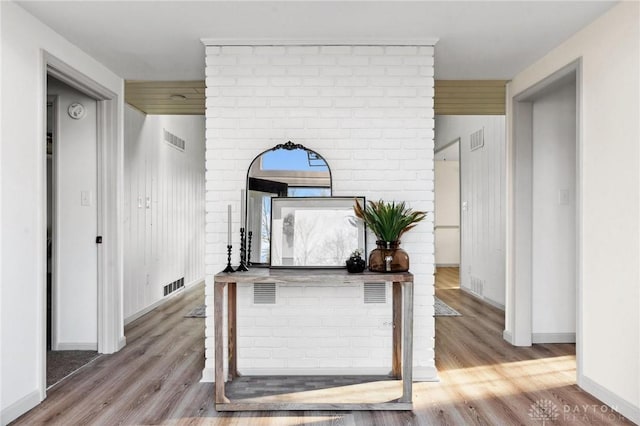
160	40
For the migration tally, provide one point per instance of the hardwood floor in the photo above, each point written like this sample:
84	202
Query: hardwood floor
483	380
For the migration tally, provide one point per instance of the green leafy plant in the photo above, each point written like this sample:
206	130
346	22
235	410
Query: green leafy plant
389	221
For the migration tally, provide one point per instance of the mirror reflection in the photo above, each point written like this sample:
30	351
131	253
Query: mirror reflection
287	170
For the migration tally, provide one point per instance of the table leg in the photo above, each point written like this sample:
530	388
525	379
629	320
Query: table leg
396	359
407	342
218	296
231	325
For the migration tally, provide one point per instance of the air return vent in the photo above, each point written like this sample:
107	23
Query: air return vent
477	139
264	293
375	293
171	287
172	139
476	285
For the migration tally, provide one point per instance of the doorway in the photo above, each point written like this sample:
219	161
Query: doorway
72	288
447	204
109	328
469	202
544	215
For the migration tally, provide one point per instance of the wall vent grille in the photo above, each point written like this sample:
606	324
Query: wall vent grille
476	285
174	140
264	293
477	139
171	287
375	293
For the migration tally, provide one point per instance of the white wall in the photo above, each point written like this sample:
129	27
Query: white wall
554	225
368	110
447	213
22	176
163	207
75	282
482	192
608	202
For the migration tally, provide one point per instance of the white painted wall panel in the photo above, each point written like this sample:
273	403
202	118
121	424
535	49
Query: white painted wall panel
163	207
368	110
482	194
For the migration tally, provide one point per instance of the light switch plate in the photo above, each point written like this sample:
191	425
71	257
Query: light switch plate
564	197
85	198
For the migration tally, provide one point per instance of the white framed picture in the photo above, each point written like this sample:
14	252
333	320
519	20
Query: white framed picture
314	232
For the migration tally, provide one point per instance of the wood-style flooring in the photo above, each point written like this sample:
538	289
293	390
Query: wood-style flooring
483	380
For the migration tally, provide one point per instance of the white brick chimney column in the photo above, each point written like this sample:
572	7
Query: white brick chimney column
368	110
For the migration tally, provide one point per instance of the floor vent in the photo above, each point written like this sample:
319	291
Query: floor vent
174	140
264	293
375	293
477	139
171	287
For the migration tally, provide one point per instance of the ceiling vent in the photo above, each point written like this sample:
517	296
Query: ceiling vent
173	140
375	293
264	293
477	139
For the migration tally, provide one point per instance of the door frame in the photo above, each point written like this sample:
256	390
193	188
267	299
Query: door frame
110	331
54	231
519	284
458	141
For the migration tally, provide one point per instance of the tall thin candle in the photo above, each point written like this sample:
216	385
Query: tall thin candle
243	208
229	225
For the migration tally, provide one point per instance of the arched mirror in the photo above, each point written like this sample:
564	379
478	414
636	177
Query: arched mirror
286	170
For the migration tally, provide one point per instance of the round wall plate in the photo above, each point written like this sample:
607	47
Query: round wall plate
76	111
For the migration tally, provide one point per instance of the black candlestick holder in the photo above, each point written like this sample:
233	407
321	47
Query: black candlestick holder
229	268
249	248
243	253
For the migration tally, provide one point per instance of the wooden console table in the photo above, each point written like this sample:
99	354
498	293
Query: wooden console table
402	334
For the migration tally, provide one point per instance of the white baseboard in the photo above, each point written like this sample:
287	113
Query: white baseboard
208	375
506	335
122	342
161	302
19	407
76	346
420	374
189	286
447	265
372	371
425	374
622	406
553	337
483	298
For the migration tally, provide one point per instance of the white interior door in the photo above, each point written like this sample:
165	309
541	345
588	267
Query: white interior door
447	212
75	224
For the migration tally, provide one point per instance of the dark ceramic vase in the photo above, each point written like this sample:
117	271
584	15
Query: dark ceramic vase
355	264
388	257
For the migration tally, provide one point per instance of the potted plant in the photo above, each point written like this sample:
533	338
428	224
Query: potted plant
388	221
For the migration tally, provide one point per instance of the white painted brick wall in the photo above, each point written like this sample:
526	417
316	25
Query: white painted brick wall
368	110
328	328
